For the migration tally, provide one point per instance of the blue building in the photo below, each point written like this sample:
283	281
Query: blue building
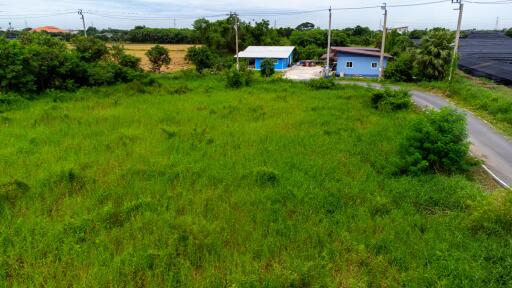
358	62
282	56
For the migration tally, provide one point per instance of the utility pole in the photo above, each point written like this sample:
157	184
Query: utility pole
457	37
328	64
497	27
174	20
275	23
235	15
383	44
80	12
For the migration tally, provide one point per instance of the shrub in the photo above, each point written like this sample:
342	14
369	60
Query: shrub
436	142
322	84
237	79
401	68
128	61
267	68
202	57
89	49
158	57
390	100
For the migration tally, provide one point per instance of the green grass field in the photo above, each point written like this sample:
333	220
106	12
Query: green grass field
191	184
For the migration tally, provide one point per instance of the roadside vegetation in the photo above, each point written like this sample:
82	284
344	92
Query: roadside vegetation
180	181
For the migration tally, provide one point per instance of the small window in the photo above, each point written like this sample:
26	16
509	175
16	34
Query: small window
275	61
374	65
349	64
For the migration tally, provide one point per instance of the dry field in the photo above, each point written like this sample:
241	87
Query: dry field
177	53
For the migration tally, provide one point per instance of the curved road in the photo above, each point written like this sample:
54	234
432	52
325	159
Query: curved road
487	143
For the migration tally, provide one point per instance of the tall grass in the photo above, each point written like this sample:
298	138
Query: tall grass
274	185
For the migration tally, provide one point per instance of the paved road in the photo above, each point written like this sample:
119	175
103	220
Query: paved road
487	144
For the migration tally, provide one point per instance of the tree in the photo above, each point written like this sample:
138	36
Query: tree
310	52
202	57
305	26
434	56
159	57
267	68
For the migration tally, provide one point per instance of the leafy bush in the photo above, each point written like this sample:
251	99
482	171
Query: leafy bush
435	143
90	49
267	68
119	55
38	62
390	100
322	84
158	57
401	68
202	57
238	79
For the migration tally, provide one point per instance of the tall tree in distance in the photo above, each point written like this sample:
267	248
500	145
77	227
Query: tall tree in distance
305	26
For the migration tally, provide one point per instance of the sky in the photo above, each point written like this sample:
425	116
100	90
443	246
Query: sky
126	14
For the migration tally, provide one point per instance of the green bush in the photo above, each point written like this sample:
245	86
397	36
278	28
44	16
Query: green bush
202	57
158	57
322	84
390	100
267	68
401	68
90	49
238	79
436	142
39	62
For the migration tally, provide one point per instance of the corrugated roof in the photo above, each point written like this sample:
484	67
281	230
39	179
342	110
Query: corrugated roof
361	51
267	52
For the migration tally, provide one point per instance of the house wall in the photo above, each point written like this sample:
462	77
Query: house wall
361	65
282	63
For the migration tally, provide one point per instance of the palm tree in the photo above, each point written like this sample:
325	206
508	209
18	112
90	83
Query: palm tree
434	56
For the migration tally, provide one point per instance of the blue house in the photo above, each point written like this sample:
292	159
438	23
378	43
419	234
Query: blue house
358	62
282	56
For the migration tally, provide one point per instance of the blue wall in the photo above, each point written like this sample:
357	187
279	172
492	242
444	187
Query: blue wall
282	63
361	65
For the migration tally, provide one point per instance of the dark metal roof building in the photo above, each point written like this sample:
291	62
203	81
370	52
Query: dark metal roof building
487	54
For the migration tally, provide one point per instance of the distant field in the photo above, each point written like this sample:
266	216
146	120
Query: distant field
177	51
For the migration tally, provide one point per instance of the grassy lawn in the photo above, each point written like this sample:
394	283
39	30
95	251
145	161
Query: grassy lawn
192	184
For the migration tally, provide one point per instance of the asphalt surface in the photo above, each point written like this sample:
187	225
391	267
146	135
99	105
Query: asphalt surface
487	143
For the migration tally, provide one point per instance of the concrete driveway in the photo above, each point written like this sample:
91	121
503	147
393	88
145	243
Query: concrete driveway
303	73
487	143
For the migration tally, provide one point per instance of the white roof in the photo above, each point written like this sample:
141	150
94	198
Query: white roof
267	52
